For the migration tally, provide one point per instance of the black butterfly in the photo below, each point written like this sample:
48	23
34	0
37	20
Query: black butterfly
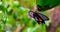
40	18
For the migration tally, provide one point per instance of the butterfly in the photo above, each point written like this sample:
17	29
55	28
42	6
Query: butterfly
39	17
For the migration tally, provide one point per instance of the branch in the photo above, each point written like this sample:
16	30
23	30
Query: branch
19	29
55	20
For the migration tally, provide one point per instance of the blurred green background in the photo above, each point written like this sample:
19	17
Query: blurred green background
14	13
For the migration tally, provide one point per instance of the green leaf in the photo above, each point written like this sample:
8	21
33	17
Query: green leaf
15	15
9	12
3	8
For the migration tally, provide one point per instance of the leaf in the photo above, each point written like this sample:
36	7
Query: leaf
15	15
47	4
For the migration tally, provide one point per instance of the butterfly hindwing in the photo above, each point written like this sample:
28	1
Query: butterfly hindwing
43	17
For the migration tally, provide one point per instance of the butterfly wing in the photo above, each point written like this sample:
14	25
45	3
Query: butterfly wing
43	17
36	17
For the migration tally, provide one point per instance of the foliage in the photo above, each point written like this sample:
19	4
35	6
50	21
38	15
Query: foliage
15	13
